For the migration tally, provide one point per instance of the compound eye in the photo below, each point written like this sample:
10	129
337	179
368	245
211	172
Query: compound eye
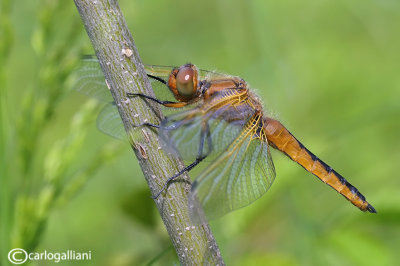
185	81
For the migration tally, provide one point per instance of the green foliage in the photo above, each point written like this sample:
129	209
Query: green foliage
326	69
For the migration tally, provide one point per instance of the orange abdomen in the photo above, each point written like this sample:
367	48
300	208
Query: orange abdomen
280	138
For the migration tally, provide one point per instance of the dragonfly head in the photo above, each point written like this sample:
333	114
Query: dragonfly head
183	82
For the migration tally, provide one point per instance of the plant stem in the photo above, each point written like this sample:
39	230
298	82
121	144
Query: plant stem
124	73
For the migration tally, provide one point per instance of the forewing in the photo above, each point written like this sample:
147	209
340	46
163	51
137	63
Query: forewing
239	176
161	72
90	80
212	75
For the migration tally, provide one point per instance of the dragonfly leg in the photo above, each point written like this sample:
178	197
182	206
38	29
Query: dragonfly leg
205	132
165	103
187	168
209	140
175	125
150	125
158	79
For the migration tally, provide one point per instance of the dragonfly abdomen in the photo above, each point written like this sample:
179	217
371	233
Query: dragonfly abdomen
280	138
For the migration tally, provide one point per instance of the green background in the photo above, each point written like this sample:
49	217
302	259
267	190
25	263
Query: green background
329	70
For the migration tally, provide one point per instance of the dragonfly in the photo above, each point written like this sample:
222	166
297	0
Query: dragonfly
217	121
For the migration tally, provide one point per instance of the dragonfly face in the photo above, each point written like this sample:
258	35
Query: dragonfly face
223	126
183	82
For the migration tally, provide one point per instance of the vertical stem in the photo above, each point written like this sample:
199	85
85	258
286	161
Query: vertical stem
124	73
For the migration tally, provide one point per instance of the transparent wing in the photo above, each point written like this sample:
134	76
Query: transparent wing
162	72
182	131
109	122
91	81
239	176
206	129
212	75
